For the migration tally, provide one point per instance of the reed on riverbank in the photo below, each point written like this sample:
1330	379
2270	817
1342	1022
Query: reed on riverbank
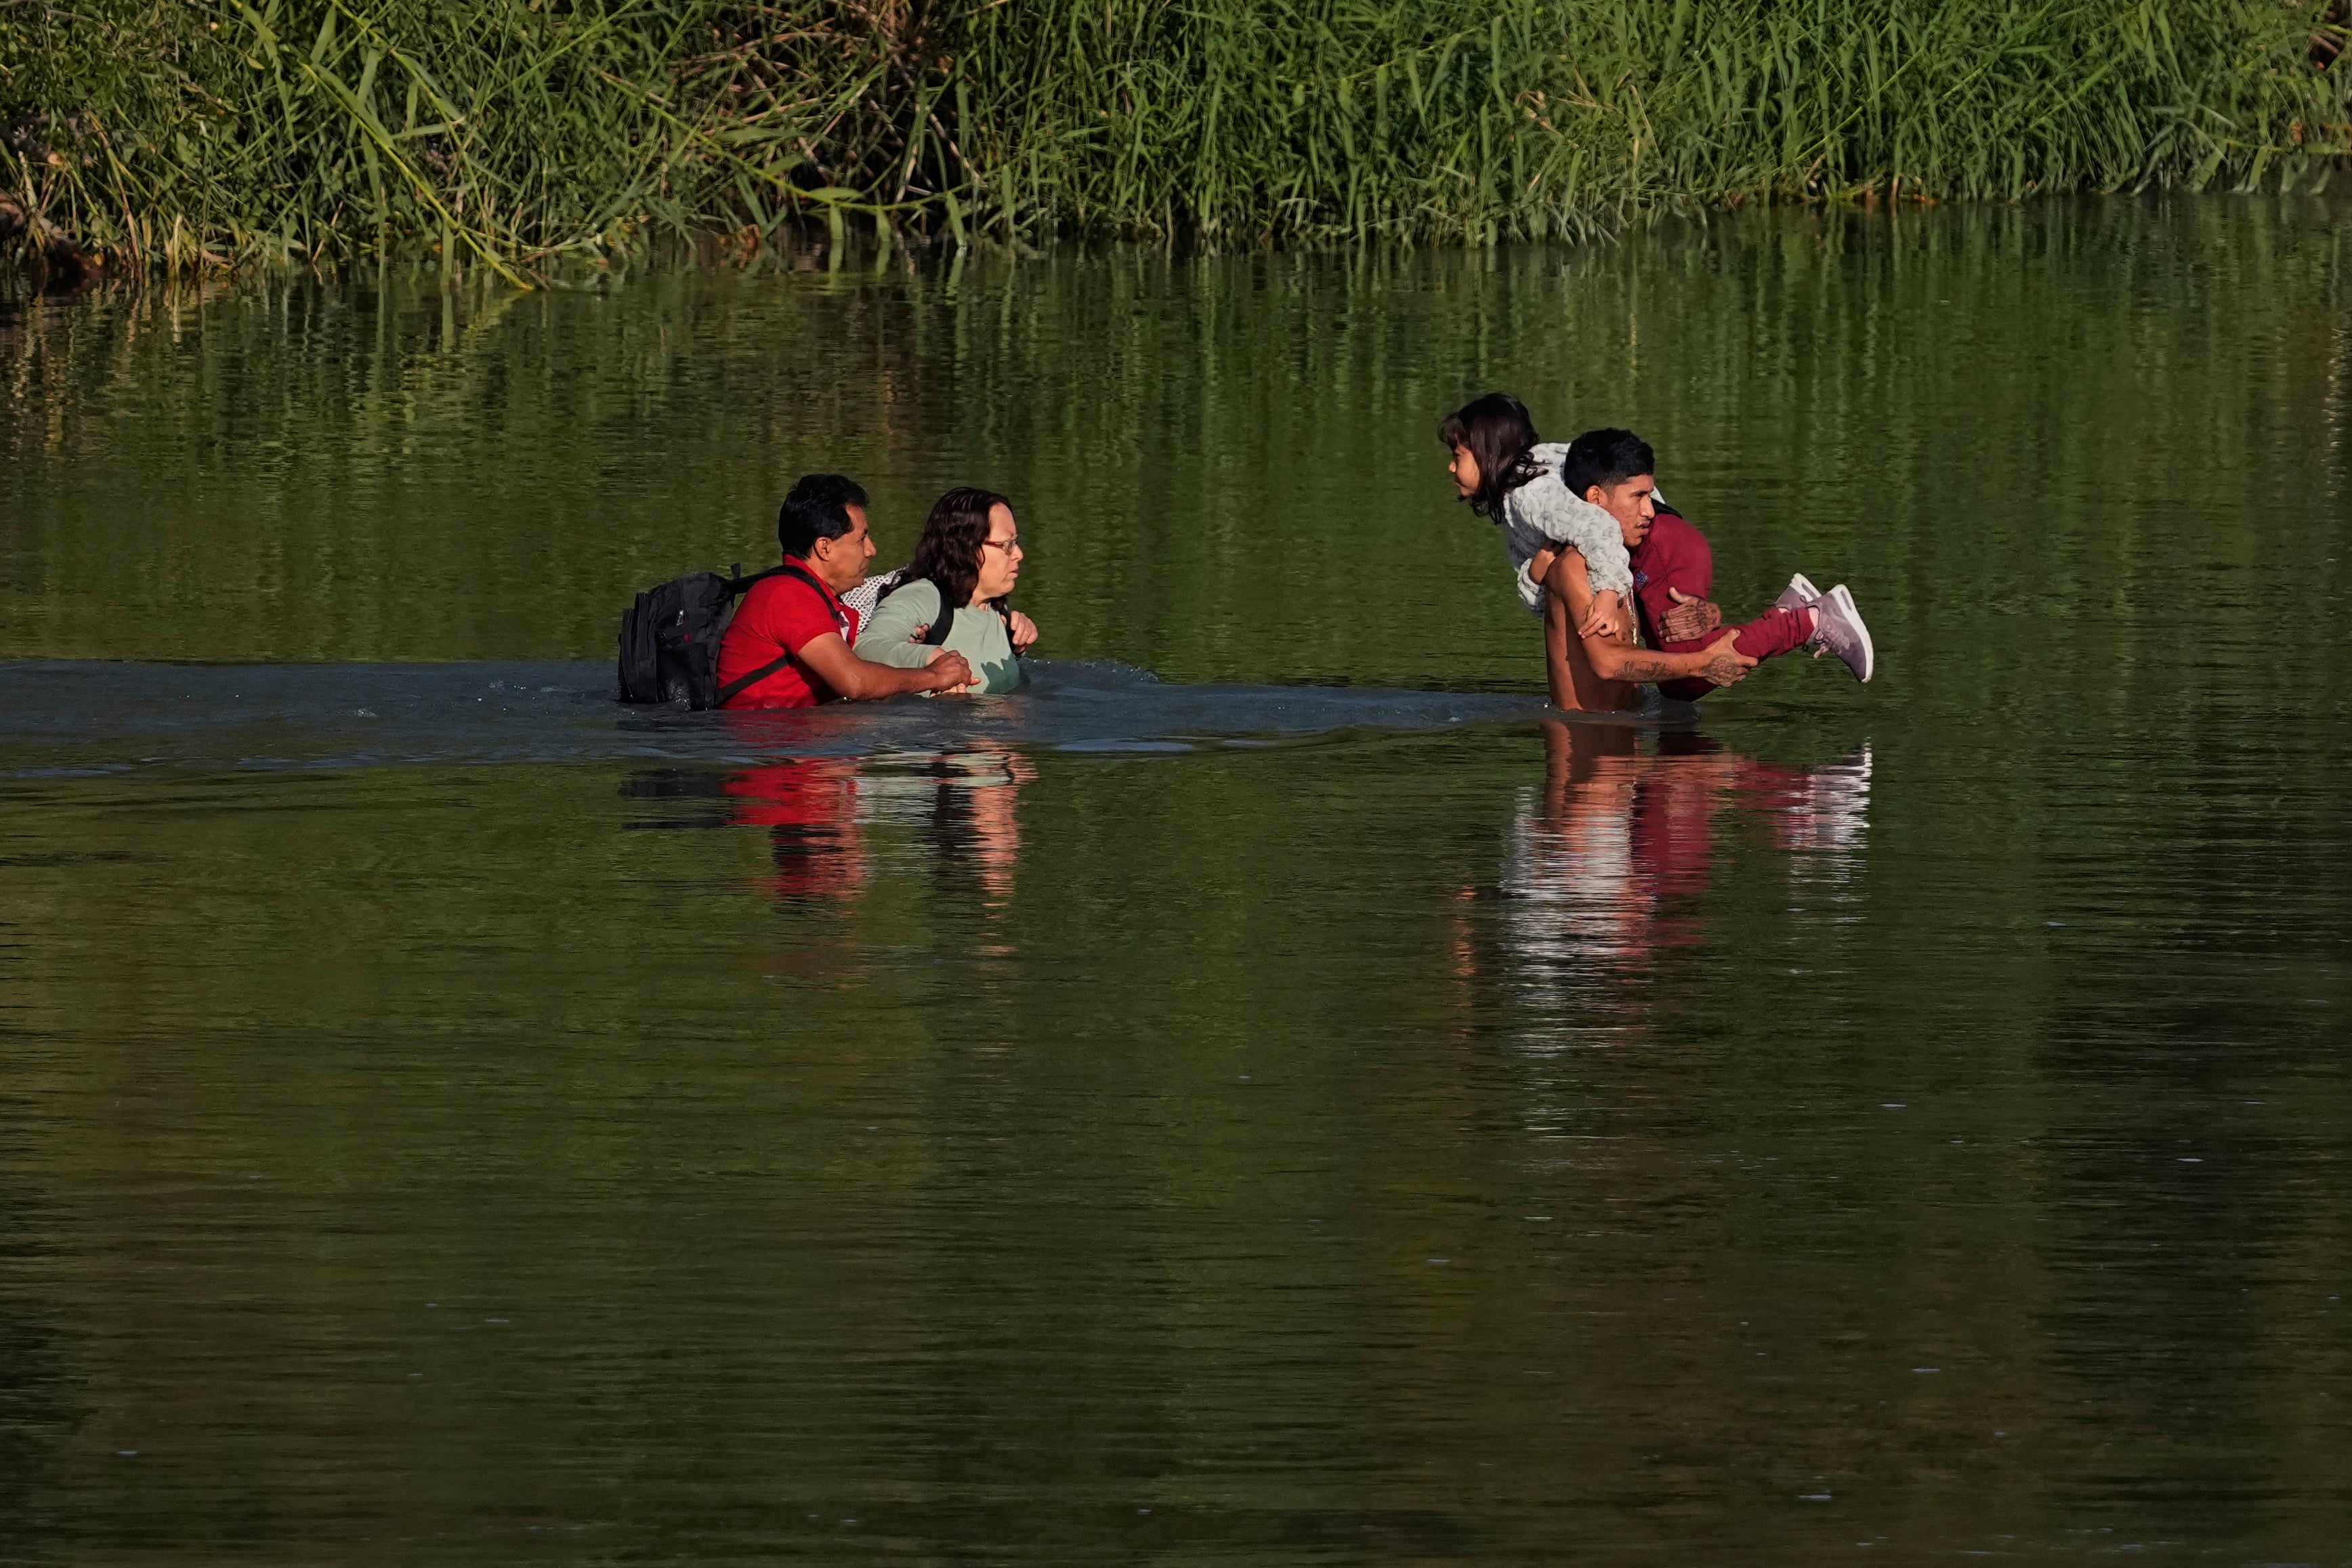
522	135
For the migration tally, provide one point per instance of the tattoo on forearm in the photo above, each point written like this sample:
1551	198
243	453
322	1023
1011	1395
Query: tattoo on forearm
1722	670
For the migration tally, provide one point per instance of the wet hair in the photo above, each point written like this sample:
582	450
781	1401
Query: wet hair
1605	458
948	551
817	508
1498	433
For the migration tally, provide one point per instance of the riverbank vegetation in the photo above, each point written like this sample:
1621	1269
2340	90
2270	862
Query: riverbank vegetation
530	136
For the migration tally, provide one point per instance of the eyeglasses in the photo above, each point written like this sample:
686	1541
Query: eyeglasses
1009	547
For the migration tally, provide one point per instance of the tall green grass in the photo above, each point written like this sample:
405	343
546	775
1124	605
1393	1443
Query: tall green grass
497	131
525	135
1243	119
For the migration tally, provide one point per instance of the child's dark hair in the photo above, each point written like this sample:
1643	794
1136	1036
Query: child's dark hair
1605	458
1498	433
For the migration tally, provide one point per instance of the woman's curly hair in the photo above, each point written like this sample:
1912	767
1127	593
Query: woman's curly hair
953	536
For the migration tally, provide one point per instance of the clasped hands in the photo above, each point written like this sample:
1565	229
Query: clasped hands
1019	627
1688	620
1610	616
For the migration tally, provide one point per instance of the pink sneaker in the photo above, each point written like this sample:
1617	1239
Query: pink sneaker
1799	593
1840	631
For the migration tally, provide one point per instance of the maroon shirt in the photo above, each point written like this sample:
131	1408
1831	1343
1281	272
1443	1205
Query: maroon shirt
1675	555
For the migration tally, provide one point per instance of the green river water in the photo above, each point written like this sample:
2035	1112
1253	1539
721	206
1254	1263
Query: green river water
1303	1108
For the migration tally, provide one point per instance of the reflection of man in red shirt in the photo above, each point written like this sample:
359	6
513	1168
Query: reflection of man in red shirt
789	644
810	810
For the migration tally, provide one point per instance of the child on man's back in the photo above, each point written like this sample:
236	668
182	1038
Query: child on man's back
1512	478
1673	569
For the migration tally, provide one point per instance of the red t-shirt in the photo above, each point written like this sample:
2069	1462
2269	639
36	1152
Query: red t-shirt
779	615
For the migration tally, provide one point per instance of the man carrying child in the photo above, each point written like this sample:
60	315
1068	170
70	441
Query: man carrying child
1584	520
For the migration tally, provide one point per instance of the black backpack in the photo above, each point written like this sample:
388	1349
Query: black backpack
669	637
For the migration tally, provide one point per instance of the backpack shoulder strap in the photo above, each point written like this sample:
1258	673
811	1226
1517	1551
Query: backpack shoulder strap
738	584
789	568
736	686
936	634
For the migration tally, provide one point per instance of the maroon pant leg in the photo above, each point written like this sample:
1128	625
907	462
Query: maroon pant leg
1774	632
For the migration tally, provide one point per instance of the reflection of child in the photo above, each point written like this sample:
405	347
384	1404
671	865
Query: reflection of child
1513	479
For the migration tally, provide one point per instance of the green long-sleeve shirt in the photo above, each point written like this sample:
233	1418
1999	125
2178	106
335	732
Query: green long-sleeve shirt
979	635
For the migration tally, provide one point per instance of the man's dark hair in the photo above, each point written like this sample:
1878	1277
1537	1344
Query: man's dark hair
1605	458
1498	432
817	508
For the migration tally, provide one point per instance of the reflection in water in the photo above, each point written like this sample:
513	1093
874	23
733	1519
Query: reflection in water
1608	865
822	815
810	810
964	805
394	1153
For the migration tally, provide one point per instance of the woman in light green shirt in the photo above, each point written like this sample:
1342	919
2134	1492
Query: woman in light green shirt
969	558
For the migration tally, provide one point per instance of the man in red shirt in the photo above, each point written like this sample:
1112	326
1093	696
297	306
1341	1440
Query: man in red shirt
789	644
